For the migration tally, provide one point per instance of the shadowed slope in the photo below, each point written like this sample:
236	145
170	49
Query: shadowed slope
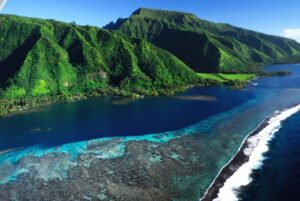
205	46
45	57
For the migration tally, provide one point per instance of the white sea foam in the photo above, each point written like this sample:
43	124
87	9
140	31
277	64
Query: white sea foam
257	145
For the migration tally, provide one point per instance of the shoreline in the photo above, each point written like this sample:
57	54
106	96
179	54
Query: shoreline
241	158
16	108
231	166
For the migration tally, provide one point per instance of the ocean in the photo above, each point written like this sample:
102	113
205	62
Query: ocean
190	137
113	117
278	177
265	168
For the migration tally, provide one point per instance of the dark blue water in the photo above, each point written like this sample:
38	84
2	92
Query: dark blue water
279	177
99	117
95	118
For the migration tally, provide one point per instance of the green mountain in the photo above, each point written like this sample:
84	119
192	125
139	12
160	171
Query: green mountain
205	46
46	57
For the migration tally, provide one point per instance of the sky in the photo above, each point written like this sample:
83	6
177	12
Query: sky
277	17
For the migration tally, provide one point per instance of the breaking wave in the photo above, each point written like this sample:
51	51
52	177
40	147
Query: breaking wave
254	147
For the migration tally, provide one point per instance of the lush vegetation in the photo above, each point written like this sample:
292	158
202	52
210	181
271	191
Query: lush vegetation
45	61
43	57
205	46
236	80
224	78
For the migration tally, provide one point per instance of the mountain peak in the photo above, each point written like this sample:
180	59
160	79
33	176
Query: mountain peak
206	46
168	16
148	12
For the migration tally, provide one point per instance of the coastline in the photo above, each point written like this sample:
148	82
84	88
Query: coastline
16	106
238	160
28	104
222	176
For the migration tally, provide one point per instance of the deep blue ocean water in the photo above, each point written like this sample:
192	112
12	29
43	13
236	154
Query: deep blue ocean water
279	177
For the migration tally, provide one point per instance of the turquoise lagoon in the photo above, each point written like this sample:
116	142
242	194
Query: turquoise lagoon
69	130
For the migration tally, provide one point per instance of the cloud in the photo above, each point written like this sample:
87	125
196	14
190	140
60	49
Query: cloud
2	4
293	34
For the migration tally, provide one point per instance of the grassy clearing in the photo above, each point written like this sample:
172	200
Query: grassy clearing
223	78
238	77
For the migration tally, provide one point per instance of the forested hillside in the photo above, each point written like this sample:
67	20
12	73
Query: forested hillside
45	57
206	46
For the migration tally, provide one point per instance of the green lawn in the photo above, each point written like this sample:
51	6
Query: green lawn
222	77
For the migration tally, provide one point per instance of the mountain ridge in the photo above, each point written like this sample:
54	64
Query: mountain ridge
45	61
225	48
68	57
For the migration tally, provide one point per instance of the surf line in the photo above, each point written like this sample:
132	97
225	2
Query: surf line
236	173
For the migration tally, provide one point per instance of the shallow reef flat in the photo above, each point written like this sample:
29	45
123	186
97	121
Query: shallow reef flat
177	165
105	170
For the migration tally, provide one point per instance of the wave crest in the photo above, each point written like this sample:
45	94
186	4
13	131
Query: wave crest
253	148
